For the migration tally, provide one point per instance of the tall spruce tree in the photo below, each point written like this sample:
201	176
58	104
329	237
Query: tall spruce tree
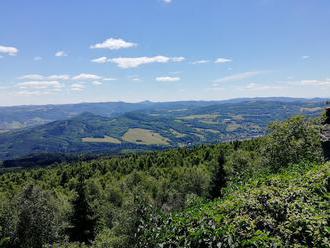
83	219
219	178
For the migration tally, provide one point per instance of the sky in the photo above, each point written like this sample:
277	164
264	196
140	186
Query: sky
70	51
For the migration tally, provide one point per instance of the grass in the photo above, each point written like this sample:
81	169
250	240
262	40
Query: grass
232	127
105	139
144	137
177	134
203	117
310	109
238	117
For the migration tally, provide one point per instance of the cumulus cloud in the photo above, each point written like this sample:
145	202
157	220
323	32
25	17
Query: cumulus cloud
109	79
167	79
136	79
12	51
203	61
239	76
32	77
38	77
86	77
40	85
101	60
58	77
178	59
97	83
95	79
222	61
77	87
61	54
126	63
113	44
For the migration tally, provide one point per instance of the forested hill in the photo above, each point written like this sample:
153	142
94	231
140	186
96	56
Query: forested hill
157	126
267	192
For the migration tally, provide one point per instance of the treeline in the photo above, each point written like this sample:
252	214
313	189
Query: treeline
123	201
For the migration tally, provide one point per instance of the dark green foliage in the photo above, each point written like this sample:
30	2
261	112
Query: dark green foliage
38	221
224	194
289	209
290	142
219	178
83	219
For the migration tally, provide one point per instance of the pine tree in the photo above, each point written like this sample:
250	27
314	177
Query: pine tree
219	178
83	220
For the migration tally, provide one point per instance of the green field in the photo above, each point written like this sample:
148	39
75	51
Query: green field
105	139
203	117
145	137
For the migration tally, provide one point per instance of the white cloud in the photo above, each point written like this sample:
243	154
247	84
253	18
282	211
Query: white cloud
61	54
77	87
109	79
85	76
40	85
114	44
101	60
314	82
200	62
126	63
305	57
37	77
32	93
136	79
168	79
12	51
178	59
222	61
97	83
59	77
32	77
239	76
167	1
255	86
37	58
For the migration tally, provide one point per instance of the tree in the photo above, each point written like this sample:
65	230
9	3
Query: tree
83	219
219	178
38	220
291	142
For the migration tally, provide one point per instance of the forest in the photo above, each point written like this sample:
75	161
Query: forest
271	191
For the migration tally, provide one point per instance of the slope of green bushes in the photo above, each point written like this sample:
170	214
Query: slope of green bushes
287	209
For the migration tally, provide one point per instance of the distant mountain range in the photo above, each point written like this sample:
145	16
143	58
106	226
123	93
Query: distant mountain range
121	127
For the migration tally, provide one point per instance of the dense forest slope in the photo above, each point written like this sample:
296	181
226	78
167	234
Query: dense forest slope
266	192
160	126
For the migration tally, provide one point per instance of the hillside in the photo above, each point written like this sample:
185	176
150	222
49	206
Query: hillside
281	210
266	192
17	117
160	126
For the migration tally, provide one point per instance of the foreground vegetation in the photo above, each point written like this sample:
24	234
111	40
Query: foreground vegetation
267	192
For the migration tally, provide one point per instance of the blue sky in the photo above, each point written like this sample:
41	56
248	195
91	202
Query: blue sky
68	51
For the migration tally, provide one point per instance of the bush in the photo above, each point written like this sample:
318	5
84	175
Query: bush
290	142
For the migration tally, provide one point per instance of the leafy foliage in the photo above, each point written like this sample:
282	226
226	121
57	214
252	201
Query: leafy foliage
224	195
